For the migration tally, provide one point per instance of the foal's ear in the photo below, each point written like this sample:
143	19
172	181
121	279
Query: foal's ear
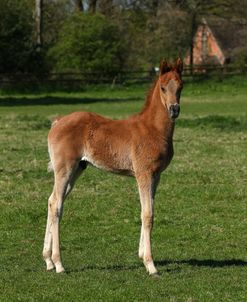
179	65
164	67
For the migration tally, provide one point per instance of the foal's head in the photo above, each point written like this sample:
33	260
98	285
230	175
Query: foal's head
170	85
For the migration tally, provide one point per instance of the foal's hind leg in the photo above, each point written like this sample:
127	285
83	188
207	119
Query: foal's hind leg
48	237
64	182
51	251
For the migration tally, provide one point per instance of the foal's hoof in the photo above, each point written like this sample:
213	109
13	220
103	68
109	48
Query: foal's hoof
49	265
150	268
50	268
60	269
155	275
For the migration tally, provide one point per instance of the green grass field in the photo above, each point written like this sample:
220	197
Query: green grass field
200	229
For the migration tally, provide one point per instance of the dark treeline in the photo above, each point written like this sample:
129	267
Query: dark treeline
106	35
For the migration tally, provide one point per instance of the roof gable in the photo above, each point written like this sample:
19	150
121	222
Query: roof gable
206	49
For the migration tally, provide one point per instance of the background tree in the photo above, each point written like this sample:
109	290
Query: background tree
39	23
16	36
92	5
55	14
79	5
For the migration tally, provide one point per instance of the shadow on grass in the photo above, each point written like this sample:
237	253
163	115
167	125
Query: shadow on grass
192	262
46	101
204	262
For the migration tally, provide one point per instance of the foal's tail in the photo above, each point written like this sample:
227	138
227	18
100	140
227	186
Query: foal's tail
50	167
55	120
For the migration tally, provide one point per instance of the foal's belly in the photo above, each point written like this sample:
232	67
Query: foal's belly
110	165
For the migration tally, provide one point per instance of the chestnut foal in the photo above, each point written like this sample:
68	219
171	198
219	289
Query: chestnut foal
140	146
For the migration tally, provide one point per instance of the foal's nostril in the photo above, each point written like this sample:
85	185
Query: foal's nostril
177	108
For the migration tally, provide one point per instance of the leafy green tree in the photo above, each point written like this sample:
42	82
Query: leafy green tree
168	33
87	43
54	15
79	5
16	36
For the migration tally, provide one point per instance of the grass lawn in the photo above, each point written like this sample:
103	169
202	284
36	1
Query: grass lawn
200	228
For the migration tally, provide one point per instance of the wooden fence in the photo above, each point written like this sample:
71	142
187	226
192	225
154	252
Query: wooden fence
123	77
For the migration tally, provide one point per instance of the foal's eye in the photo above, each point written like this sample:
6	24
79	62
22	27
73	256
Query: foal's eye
163	89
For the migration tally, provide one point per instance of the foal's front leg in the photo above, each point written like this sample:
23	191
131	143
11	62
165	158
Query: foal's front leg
154	185
146	191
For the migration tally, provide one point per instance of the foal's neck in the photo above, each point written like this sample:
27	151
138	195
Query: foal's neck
156	114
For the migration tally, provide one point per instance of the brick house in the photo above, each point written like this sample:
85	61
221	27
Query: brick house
207	49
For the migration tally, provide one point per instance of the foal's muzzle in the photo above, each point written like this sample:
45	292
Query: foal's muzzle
174	110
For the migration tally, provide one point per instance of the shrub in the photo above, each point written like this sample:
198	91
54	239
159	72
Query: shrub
87	43
239	55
